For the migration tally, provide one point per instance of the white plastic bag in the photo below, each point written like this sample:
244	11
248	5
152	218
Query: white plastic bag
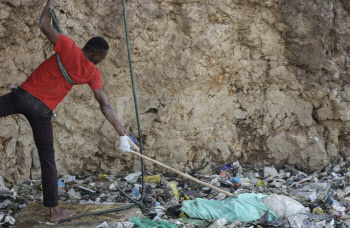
284	206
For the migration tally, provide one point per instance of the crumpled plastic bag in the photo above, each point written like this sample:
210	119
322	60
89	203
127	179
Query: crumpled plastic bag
132	178
284	206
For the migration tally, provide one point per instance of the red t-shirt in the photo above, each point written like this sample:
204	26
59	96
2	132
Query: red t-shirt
47	82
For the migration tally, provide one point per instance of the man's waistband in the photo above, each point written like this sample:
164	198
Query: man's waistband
28	98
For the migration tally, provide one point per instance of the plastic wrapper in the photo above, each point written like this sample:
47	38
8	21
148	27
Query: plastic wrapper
132	178
175	191
260	183
152	179
68	178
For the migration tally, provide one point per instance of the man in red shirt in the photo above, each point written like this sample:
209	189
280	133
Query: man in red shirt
46	87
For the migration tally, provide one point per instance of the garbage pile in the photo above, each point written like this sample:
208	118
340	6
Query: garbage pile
264	197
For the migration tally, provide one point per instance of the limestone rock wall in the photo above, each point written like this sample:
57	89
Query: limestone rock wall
217	81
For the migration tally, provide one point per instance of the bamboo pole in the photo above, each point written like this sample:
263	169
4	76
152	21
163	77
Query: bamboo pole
183	174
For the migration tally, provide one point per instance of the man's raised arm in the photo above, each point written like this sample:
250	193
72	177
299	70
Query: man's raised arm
45	23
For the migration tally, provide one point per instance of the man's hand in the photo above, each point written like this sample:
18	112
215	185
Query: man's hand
124	143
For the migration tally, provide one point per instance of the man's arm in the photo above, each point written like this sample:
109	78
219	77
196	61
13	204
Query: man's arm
45	23
108	111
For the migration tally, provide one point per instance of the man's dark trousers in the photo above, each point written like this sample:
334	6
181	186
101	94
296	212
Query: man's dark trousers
39	116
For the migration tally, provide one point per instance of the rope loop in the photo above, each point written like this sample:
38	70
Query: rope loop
56	26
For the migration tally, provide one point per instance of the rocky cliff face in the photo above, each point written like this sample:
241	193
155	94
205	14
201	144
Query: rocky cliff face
217	81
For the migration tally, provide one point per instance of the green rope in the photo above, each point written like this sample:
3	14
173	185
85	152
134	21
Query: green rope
56	25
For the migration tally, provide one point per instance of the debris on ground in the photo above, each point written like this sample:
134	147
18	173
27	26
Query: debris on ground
264	197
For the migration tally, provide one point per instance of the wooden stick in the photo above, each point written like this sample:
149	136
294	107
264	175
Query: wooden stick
183	174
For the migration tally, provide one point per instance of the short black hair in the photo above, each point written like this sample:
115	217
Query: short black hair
96	45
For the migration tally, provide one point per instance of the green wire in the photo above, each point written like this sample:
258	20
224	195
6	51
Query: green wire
95	213
136	106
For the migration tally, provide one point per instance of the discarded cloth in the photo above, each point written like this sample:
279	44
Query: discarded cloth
148	223
246	207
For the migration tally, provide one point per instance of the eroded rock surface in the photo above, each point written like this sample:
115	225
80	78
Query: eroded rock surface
255	81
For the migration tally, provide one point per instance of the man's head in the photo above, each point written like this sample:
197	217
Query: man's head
96	49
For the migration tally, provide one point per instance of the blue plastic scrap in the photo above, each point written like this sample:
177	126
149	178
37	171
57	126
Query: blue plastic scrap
133	138
228	167
236	180
60	183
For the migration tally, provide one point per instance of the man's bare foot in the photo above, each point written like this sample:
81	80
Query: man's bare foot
57	214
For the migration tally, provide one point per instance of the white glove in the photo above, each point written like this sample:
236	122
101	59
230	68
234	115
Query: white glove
124	144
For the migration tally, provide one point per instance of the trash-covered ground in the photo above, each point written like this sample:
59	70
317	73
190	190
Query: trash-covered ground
264	197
